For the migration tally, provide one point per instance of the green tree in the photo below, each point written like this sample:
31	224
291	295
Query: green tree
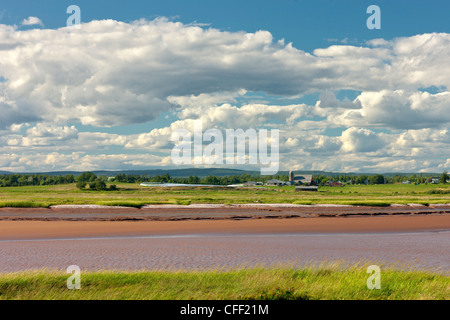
87	177
98	185
444	177
81	185
377	179
193	180
212	180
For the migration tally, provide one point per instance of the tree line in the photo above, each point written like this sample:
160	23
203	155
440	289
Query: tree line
211	179
15	180
89	179
380	179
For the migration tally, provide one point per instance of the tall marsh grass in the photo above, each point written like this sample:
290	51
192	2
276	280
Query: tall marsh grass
279	283
23	204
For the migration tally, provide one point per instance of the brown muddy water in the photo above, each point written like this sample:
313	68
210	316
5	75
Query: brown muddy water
427	250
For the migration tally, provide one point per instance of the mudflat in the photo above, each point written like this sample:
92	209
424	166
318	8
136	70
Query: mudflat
419	240
39	229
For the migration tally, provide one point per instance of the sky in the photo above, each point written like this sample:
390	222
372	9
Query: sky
110	93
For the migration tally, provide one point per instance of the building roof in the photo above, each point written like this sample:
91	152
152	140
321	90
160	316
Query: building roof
275	181
305	178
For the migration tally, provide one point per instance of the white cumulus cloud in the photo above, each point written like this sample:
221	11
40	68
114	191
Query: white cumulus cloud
109	73
31	21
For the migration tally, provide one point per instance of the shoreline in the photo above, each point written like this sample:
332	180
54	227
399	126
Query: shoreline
226	206
76	221
171	212
247	205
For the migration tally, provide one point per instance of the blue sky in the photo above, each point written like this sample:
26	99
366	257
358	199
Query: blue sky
344	97
308	24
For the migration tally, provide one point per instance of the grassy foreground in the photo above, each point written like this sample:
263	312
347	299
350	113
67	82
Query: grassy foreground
259	283
134	195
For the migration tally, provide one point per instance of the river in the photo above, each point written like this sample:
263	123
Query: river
424	250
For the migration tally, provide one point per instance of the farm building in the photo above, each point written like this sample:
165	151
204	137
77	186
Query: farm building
275	182
303	179
333	184
252	184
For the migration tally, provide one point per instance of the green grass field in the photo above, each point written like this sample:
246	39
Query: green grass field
135	195
281	283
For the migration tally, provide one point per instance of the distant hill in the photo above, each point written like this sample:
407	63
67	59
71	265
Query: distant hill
200	172
219	172
182	173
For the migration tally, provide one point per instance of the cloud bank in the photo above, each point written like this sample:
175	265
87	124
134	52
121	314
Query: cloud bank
110	73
